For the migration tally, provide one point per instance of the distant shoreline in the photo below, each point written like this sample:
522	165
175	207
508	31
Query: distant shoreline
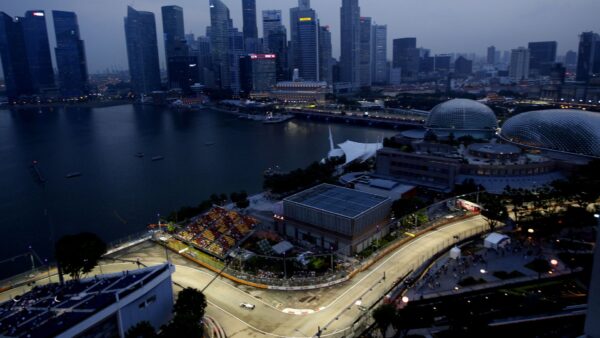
90	104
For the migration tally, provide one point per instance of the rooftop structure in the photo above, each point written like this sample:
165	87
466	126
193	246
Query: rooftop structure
462	117
567	131
336	218
106	305
337	200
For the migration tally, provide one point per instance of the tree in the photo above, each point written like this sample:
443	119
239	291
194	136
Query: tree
79	254
142	329
188	313
384	316
494	210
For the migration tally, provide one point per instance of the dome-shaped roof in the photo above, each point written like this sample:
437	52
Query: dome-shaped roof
566	130
462	114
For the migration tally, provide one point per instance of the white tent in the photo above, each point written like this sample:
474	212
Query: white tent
455	253
496	240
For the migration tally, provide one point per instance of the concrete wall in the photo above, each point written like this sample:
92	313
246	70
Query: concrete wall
154	306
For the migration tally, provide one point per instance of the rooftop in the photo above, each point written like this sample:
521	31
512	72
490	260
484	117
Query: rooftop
337	200
49	310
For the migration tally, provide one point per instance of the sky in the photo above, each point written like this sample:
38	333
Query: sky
444	26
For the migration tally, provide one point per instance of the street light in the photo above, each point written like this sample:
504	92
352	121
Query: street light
530	230
483	271
554	262
405	300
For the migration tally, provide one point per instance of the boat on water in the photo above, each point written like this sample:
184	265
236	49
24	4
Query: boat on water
140	155
158	158
73	174
272	119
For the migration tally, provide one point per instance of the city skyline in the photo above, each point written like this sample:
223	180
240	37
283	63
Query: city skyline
527	25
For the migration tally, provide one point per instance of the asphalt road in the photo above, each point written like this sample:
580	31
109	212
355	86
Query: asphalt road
336	307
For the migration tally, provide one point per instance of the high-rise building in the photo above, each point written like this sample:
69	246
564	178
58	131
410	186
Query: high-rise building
257	73
237	51
277	44
542	57
406	56
249	19
325	55
379	70
220	31
142	51
442	63
586	56
252	43
182	71
304	27
365	76
200	51
571	58
38	50
350	57
491	55
70	55
463	66
519	64
271	22
14	58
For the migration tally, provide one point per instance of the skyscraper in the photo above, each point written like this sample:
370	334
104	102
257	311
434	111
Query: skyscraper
365	79
542	57
571	58
379	54
586	55
442	63
257	73
350	57
519	64
182	71
70	55
463	66
14	58
271	22
491	55
249	19
304	27
38	50
220	31
325	55
142	51
406	56
276	43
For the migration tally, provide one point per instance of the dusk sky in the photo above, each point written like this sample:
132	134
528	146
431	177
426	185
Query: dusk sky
443	26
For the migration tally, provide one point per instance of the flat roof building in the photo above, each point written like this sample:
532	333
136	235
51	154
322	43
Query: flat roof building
335	217
101	306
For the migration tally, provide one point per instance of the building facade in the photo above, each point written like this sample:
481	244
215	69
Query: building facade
350	57
220	38
258	73
305	41
35	35
406	56
365	78
379	71
542	56
182	66
14	58
70	55
142	51
325	55
336	218
519	64
586	56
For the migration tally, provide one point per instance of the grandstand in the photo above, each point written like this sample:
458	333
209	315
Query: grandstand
217	231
